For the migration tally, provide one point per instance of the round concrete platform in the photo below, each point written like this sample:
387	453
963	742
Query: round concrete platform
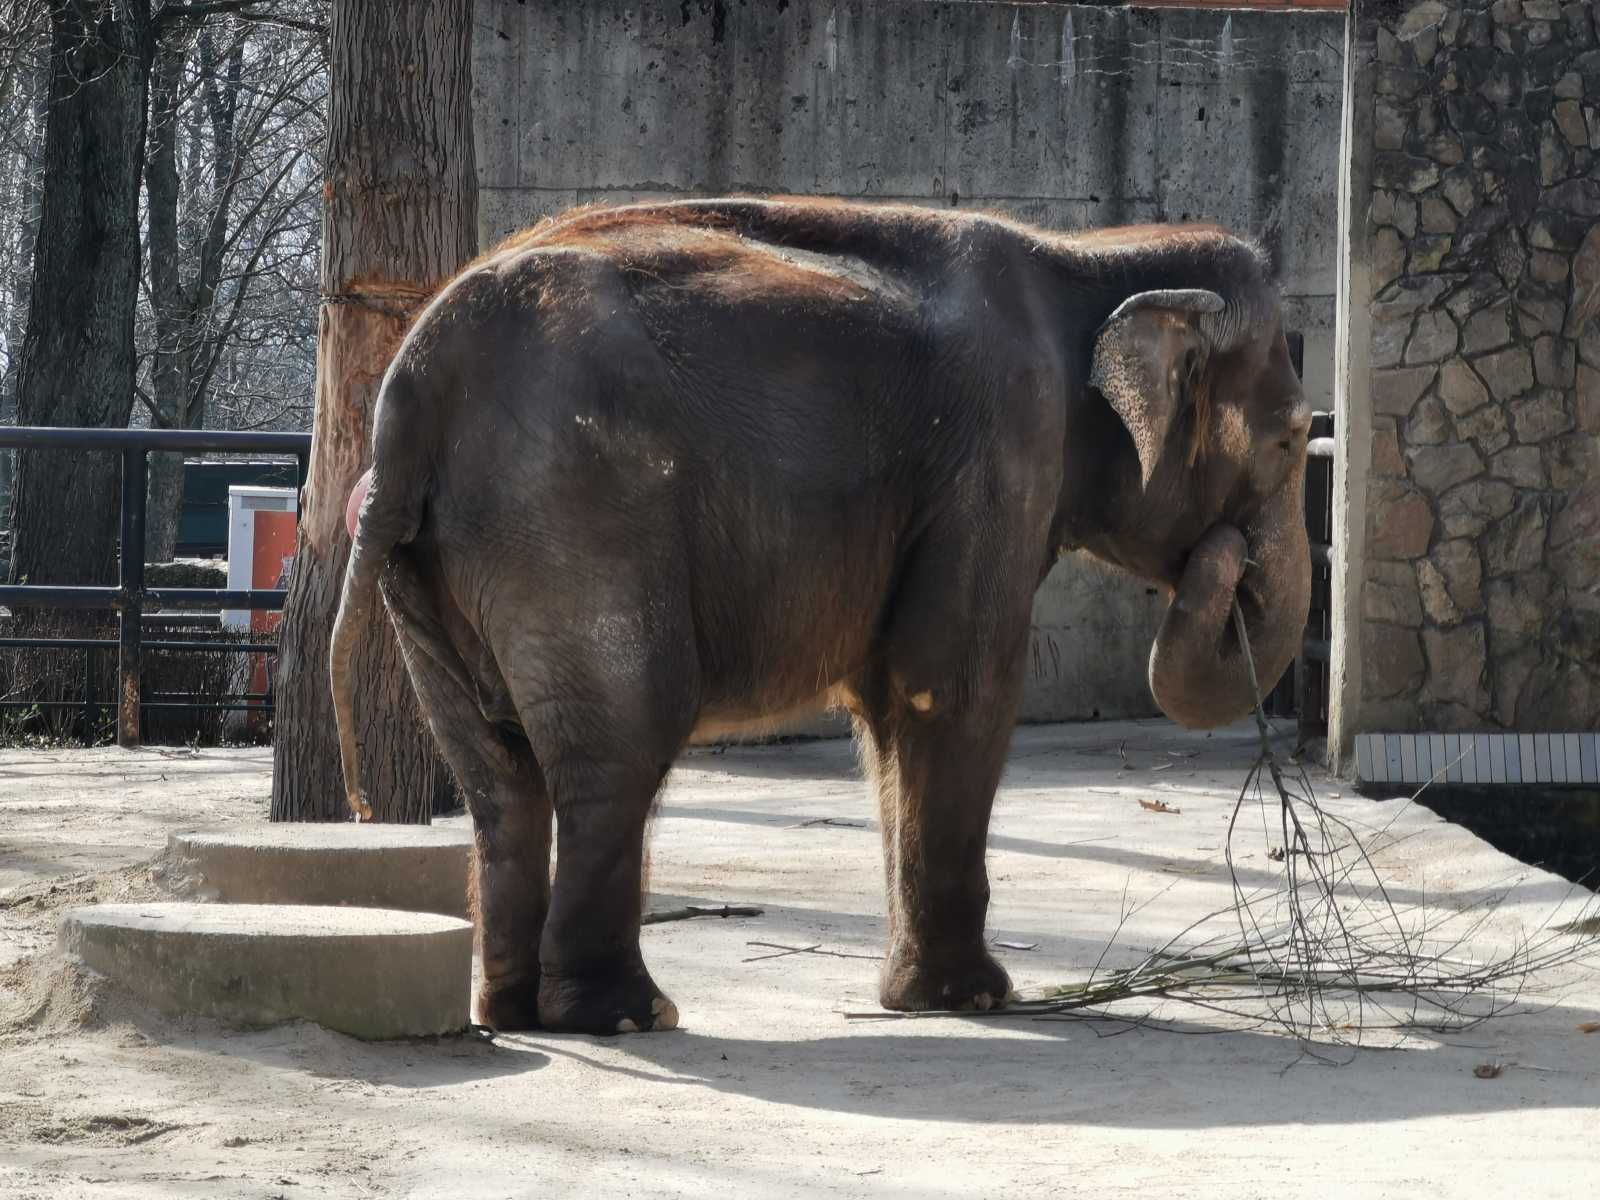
419	868
368	972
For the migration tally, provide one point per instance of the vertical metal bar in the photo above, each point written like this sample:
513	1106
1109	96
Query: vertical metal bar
130	613
88	695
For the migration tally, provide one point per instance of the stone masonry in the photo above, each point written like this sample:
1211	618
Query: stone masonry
1480	581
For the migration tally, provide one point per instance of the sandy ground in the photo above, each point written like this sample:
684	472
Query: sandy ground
769	1090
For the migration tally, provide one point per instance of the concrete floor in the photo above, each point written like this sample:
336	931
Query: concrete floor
768	1090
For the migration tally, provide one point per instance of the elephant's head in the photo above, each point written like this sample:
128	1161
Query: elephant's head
1202	381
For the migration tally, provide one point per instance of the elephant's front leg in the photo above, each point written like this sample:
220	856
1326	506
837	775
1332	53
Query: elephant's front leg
936	776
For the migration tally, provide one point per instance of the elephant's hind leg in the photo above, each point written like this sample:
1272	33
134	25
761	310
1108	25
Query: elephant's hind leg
607	703
505	793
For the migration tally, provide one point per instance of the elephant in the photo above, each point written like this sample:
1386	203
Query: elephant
661	470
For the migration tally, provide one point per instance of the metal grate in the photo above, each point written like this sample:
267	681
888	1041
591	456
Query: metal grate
1516	758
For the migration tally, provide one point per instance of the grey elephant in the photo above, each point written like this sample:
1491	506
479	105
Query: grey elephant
652	471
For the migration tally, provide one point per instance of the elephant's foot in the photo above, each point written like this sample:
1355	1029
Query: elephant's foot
626	1002
974	981
509	1003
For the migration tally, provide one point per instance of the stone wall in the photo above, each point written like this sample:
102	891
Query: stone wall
1472	584
1065	115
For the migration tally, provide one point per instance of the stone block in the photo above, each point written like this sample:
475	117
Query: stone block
1441	609
1575	541
1386	459
1539	314
1428	253
1554	229
1569	120
1445	149
1486	426
1579	196
1473	294
1519	605
1548	267
1519	465
1395	391
1516	543
1460	388
1555	362
1399	522
1540	416
418	867
1488	329
1467	510
1391	661
1429	15
367	972
1436	469
1428	425
1457	563
1457	665
1460	189
1555	159
1585	284
1389	333
1508	372
1434	338
1509	257
1390	594
1388	258
1437	217
1571	460
1403	172
1588	399
1388	125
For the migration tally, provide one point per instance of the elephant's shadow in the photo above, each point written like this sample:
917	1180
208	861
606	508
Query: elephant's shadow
1181	1074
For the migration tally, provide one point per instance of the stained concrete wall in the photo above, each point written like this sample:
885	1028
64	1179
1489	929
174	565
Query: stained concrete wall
1469	564
1064	115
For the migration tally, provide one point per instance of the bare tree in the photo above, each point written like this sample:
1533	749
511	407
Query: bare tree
78	362
400	217
224	232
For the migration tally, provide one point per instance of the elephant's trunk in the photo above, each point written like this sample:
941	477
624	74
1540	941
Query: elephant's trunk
1198	672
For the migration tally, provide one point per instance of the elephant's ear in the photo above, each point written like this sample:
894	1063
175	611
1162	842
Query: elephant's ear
1141	358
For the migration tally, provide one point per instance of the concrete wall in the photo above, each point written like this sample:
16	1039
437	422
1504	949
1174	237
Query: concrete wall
1470	569
1068	116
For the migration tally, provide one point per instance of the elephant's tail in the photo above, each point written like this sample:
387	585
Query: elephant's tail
390	513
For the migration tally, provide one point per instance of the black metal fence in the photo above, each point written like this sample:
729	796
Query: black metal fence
129	597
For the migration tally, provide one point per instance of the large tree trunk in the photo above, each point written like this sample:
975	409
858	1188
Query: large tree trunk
78	355
399	217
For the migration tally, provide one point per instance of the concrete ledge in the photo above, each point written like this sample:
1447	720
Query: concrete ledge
371	973
419	868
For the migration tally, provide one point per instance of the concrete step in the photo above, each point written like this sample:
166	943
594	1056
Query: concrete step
421	868
371	973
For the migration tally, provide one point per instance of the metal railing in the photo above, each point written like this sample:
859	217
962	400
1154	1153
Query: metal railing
130	596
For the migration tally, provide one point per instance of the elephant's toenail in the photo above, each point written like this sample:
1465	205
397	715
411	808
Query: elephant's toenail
665	1013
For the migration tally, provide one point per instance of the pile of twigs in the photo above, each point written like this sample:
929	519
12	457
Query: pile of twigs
1326	954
